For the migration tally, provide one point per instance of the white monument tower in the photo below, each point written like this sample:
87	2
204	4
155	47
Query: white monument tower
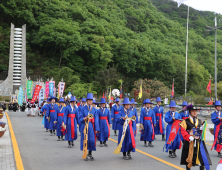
17	62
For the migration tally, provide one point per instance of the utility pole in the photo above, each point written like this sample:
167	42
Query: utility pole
211	29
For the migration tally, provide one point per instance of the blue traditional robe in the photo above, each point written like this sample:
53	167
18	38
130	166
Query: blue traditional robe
79	123
215	119
158	110
52	112
44	109
169	120
104	118
71	115
135	112
184	115
114	115
127	142
92	127
60	115
148	125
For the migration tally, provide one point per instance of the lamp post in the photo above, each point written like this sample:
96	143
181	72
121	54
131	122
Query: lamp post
211	29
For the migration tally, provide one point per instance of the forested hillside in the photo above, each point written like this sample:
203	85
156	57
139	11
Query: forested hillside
138	39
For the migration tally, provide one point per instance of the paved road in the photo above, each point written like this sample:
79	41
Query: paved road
39	150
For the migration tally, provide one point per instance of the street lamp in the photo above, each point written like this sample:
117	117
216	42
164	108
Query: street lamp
211	29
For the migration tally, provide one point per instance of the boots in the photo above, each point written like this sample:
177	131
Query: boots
163	137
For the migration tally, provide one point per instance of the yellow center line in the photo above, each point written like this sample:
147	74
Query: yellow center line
208	144
158	159
17	155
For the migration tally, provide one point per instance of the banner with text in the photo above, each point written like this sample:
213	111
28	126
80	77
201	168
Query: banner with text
36	93
41	94
29	89
20	96
51	88
61	89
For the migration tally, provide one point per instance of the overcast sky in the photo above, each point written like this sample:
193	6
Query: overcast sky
206	5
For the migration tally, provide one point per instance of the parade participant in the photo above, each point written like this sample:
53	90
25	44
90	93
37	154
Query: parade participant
60	114
29	106
3	106
23	107
127	130
158	111
70	122
194	152
80	102
114	115
104	123
15	106
44	111
175	139
216	118
219	166
83	103
148	122
10	106
132	107
94	104
89	118
33	109
185	113
52	111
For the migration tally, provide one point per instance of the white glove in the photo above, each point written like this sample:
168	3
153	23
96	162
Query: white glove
191	138
201	128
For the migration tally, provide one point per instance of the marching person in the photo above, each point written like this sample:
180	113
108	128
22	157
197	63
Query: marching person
83	103
29	107
3	106
89	115
52	111
104	123
158	111
15	106
23	106
94	104
216	118
80	102
185	113
70	122
170	117
33	108
132	107
10	106
60	115
148	122
114	115
129	129
194	152
44	111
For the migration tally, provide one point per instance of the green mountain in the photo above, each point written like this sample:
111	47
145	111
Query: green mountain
142	39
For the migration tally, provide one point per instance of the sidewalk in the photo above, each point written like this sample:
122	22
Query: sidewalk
7	161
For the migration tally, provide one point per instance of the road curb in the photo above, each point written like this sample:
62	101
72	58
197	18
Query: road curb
17	155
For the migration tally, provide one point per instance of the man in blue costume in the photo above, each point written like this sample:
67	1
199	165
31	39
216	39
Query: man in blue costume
148	122
127	127
216	118
104	123
132	107
52	111
93	126
70	122
185	113
158	111
61	111
114	115
170	117
82	104
44	110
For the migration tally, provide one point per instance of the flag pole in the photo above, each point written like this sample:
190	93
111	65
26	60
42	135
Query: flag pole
187	49
210	90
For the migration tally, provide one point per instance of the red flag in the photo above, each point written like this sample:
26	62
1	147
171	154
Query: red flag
103	95
36	93
210	103
209	86
172	92
121	92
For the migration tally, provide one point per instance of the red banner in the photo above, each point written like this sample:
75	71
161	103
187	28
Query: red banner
174	131
36	93
209	86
